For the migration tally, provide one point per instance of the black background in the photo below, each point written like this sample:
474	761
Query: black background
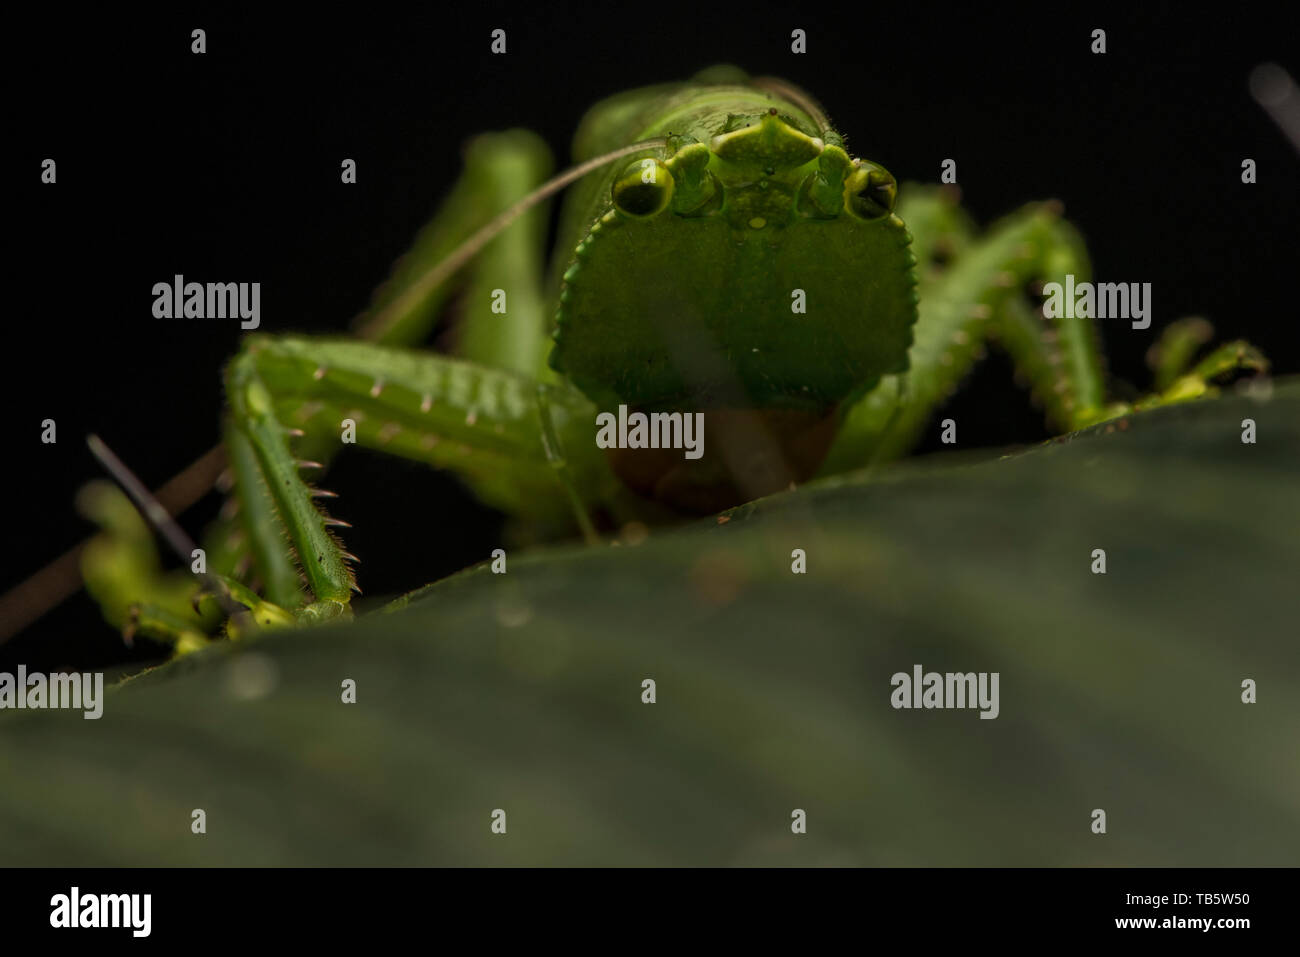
226	166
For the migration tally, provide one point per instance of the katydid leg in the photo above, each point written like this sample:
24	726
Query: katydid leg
500	431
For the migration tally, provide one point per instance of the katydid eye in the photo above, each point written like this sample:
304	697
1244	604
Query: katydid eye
870	191
645	188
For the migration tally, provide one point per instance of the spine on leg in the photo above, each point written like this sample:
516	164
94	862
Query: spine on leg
287	498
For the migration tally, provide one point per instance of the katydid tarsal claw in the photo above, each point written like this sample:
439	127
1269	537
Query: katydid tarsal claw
722	255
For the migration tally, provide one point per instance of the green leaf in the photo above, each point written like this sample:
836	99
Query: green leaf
522	691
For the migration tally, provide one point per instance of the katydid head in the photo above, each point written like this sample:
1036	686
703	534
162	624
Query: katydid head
756	265
756	274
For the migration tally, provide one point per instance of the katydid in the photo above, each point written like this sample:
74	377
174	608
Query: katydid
721	255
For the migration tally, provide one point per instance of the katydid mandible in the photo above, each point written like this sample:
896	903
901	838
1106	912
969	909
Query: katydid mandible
722	258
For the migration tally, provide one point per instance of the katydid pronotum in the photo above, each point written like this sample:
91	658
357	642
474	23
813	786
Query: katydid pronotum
721	258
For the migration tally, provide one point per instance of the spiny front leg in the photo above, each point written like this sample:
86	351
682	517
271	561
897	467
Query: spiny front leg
523	447
277	504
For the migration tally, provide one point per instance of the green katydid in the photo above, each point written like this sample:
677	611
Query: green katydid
720	254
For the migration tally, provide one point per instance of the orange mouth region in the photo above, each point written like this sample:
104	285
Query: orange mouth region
750	453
